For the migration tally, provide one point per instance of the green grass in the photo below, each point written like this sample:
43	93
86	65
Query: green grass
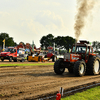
22	64
90	94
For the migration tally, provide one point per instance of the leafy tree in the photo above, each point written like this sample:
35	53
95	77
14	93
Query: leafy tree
47	41
96	45
69	41
64	42
61	42
8	40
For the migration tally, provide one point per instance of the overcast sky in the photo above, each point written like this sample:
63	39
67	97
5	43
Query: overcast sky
28	20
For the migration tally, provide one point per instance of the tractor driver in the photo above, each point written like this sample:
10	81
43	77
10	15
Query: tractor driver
82	51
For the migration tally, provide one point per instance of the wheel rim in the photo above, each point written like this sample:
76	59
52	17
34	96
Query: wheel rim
96	66
81	69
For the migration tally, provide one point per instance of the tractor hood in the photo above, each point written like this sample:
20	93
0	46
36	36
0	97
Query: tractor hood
69	57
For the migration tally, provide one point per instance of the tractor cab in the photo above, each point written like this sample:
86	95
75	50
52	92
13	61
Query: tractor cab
79	49
83	49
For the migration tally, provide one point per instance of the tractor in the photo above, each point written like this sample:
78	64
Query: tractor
51	54
80	61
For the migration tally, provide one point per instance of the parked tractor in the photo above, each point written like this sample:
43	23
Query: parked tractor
80	61
51	54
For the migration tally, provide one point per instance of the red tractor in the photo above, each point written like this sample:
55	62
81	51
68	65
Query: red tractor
51	54
80	60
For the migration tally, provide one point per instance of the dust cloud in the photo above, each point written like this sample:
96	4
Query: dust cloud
84	8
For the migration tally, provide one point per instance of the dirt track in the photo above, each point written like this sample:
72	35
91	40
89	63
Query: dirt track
19	83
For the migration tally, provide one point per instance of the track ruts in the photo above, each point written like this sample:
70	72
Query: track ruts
34	82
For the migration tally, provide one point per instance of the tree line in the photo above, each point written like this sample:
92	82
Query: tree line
64	42
8	40
61	42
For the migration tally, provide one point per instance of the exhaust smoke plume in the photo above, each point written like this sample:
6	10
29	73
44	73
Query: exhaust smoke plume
84	8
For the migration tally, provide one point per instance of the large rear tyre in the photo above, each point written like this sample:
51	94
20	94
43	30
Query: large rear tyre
79	68
58	67
93	66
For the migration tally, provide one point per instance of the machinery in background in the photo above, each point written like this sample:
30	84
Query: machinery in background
51	54
13	53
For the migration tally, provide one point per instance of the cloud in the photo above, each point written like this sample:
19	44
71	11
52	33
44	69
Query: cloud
50	20
53	3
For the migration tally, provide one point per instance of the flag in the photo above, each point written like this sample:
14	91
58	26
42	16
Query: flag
3	44
3	40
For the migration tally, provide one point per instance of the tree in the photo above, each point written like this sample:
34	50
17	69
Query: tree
96	45
61	42
47	41
68	43
64	42
8	40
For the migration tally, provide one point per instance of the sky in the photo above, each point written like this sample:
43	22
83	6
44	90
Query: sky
29	20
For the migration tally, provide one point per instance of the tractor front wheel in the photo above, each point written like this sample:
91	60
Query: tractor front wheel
79	68
58	67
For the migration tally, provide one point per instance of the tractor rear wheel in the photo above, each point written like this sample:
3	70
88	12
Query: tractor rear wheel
93	66
79	68
58	67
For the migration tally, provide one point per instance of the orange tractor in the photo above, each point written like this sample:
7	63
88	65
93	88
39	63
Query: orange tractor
80	60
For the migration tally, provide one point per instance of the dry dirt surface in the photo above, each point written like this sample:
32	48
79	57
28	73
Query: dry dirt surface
25	82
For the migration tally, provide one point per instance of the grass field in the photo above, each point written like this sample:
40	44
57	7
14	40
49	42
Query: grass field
90	94
25	64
